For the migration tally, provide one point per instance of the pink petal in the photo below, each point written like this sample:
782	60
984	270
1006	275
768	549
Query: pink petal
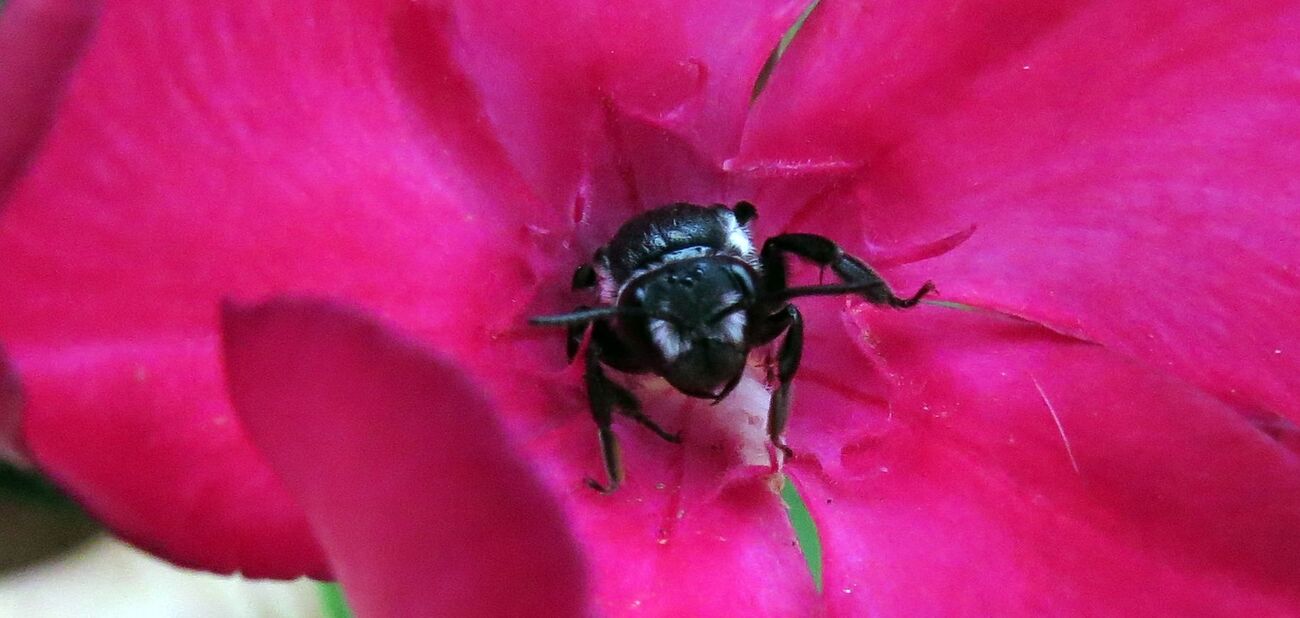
682	537
697	529
554	74
1125	176
208	150
967	499
422	504
40	41
146	442
1129	170
734	556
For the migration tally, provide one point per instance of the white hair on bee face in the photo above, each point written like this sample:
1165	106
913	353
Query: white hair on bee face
738	238
733	324
609	289
733	327
667	339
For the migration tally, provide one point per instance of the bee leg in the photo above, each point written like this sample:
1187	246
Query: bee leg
602	401
856	275
627	405
607	397
614	353
854	271
787	364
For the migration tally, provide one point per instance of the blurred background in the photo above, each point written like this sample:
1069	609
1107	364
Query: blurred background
56	562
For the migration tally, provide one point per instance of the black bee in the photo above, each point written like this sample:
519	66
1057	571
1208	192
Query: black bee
685	295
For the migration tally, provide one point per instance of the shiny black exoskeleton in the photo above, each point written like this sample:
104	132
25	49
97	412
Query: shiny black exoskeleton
685	295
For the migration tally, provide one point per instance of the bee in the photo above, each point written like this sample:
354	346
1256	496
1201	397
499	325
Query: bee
685	295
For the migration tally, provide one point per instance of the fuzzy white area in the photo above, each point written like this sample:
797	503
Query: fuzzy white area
733	325
738	238
609	289
738	423
667	339
742	419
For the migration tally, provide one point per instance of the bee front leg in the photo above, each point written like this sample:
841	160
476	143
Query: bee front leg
857	277
787	363
603	400
607	397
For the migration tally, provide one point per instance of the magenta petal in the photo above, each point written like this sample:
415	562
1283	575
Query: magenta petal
668	543
734	556
40	41
423	505
141	434
552	74
1130	170
966	499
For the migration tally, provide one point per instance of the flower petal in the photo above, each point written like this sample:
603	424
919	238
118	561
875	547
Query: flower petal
40	41
1016	471
146	442
421	502
694	531
1129	169
685	511
213	150
551	73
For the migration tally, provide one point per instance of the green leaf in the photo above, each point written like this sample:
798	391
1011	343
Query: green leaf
332	602
17	485
805	530
779	50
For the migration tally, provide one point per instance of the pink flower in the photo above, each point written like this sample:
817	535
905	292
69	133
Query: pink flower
1105	190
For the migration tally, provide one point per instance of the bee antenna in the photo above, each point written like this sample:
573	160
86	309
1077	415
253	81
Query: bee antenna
592	314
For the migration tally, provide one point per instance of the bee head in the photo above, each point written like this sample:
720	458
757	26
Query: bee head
698	321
